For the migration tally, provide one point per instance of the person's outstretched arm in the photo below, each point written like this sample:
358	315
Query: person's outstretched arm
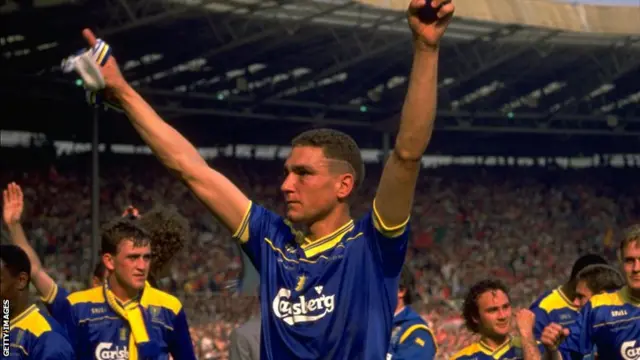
394	197
219	194
12	207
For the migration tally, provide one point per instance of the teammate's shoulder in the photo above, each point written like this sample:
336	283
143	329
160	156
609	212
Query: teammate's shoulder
93	295
539	299
159	298
33	321
416	328
610	298
555	300
468	352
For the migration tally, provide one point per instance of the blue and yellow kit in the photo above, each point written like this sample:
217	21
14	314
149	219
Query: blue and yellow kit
36	336
610	322
333	298
101	327
411	338
553	307
510	350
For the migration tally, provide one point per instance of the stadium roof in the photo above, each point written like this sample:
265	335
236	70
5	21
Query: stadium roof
248	71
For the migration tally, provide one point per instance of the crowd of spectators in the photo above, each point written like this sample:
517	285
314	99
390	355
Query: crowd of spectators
525	226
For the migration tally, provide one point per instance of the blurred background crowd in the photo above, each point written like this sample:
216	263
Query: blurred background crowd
525	226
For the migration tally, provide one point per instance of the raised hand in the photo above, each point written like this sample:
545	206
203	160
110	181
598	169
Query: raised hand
429	19
525	320
553	335
12	204
110	71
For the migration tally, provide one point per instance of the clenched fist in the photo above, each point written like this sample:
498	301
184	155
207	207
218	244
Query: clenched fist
428	20
525	320
553	335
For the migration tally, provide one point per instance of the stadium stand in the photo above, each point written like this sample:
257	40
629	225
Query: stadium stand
521	78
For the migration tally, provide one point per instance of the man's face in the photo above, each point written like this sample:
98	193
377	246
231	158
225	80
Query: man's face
313	184
631	264
130	265
10	286
7	282
583	294
494	309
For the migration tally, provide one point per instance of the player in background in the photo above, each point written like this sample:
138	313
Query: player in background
558	305
487	312
72	309
608	321
126	317
596	279
411	338
329	293
33	335
168	230
593	280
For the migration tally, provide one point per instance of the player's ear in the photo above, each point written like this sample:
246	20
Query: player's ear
107	259
345	185
23	281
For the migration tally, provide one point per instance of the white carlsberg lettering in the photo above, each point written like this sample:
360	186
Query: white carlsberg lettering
104	352
630	351
300	311
618	313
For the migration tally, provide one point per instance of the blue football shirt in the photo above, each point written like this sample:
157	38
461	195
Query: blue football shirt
37	336
333	298
610	322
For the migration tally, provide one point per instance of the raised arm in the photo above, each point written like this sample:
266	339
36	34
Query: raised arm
394	197
12	206
525	320
218	193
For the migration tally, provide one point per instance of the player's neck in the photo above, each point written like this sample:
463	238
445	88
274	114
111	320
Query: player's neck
495	341
330	223
18	306
122	293
634	293
568	291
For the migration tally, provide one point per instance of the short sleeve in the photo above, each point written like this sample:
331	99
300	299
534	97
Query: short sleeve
60	309
388	244
52	346
258	226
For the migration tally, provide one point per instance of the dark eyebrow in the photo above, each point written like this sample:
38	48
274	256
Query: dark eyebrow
298	168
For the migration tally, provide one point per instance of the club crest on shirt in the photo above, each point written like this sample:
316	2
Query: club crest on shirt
155	313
